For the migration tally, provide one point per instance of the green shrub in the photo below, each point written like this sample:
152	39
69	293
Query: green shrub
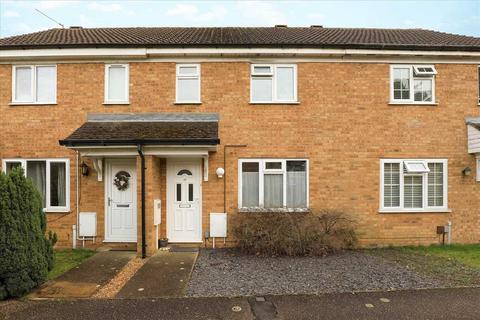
294	234
26	255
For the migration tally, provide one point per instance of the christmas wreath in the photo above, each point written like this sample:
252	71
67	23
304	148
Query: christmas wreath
121	180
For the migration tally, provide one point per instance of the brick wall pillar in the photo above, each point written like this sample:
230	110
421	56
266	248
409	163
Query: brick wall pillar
152	191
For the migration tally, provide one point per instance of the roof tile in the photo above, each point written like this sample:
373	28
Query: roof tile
415	39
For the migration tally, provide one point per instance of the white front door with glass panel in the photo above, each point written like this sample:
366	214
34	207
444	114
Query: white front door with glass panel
120	201
184	218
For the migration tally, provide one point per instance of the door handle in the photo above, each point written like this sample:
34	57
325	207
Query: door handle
109	201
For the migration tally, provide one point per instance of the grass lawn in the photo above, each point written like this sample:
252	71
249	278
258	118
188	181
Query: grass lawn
452	265
468	254
67	259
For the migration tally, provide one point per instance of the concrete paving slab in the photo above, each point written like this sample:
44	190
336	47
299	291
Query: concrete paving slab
84	280
166	274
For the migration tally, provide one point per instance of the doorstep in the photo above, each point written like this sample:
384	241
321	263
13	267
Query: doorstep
166	274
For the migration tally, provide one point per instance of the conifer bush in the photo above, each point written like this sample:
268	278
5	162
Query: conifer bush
26	255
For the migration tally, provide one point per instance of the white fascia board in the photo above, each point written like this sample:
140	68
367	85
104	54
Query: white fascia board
162	151
151	52
144	53
76	53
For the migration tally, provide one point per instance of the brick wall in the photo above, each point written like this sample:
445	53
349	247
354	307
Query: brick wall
343	125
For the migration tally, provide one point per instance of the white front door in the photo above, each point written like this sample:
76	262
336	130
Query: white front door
120	201
184	217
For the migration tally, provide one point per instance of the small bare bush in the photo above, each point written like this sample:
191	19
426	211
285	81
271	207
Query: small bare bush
294	234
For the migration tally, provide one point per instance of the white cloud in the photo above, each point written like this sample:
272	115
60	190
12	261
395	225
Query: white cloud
192	13
316	16
85	21
20	28
54	4
409	23
105	6
261	13
183	10
11	14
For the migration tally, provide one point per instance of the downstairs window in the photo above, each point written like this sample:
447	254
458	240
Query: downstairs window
273	183
413	185
51	178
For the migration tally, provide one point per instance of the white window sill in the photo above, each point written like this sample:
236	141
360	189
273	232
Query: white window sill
187	102
52	210
415	211
273	210
275	102
416	103
32	103
116	102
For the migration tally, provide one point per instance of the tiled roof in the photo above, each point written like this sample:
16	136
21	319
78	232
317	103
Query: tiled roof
313	37
124	129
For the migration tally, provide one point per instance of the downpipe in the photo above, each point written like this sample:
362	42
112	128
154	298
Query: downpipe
77	201
142	157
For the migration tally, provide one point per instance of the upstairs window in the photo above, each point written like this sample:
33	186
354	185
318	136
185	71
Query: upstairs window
116	84
412	84
51	177
478	79
273	183
273	83
413	185
188	83
34	84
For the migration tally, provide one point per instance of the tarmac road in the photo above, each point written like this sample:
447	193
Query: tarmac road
460	303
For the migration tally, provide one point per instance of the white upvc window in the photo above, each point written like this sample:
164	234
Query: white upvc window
188	83
51	177
413	185
478	83
34	84
116	84
412	84
273	83
273	183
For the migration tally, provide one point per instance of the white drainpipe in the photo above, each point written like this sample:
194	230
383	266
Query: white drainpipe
77	199
449	232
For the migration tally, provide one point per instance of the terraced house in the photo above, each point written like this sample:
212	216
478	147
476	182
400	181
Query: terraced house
136	134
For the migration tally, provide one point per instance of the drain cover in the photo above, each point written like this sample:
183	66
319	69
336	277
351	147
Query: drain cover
236	308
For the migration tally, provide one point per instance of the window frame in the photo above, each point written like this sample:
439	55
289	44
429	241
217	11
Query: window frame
477	167
425	208
262	172
197	76
273	76
107	81
412	79
33	90
419	73
478	84
48	161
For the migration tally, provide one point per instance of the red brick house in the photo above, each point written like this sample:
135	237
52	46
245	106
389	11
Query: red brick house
135	134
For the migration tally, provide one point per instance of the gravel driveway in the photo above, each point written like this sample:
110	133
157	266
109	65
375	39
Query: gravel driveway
229	273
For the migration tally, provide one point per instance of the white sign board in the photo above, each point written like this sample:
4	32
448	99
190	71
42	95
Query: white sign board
87	224
218	225
157	212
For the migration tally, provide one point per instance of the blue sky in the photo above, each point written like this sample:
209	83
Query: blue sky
462	17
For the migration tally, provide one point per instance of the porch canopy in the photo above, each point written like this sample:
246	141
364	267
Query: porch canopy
473	132
159	134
